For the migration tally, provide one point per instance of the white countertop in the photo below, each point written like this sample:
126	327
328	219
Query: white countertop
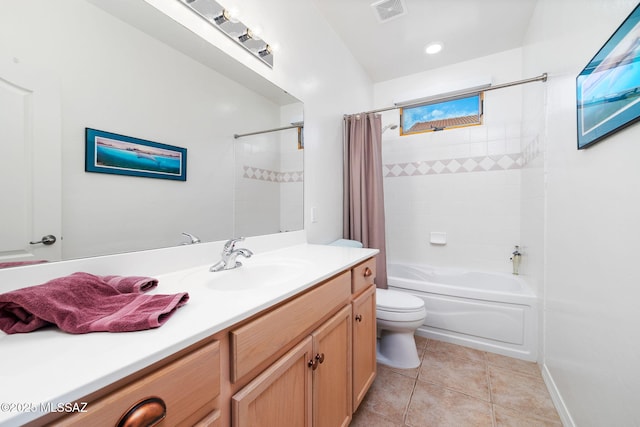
51	366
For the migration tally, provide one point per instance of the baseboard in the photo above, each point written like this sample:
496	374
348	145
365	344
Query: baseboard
556	397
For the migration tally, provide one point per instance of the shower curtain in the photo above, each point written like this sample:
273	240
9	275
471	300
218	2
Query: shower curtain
363	218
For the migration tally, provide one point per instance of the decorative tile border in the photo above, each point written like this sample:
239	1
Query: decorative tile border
458	165
251	172
532	150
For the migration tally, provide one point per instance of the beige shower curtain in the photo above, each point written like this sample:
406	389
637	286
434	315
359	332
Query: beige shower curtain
363	193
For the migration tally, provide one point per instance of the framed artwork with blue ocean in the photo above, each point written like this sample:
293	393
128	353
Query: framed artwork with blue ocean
112	153
608	89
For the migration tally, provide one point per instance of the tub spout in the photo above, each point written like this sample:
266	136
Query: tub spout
515	259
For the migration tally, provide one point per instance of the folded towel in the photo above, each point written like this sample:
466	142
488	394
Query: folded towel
347	243
82	303
131	284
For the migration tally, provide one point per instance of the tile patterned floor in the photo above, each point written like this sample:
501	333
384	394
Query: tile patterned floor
458	386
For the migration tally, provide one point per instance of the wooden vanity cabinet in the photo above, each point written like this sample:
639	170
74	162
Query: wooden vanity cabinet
307	361
322	380
311	384
308	386
186	387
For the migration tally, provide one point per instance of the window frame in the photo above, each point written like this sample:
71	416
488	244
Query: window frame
441	101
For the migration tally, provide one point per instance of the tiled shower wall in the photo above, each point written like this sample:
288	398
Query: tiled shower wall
269	179
464	182
473	197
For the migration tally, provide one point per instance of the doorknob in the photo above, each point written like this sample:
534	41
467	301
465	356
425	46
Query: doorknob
49	239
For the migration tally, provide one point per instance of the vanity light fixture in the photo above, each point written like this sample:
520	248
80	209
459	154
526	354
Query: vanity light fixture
222	18
266	51
225	20
248	35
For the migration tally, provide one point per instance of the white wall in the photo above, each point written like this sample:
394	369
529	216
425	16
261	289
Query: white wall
116	78
473	193
591	231
314	65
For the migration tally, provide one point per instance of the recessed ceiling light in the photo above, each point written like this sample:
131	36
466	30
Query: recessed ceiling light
433	48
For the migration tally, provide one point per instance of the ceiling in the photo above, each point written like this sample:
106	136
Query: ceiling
396	47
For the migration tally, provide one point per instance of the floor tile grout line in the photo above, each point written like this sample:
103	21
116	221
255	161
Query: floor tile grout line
453	390
413	390
493	412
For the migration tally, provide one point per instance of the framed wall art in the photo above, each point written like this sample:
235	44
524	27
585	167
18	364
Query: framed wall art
608	89
107	152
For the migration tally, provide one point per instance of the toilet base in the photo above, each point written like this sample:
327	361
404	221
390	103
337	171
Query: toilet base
397	350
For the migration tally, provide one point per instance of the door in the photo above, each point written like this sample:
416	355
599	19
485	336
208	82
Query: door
332	374
279	396
30	172
364	344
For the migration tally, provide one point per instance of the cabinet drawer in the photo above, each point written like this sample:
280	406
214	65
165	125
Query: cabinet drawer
363	275
261	339
187	387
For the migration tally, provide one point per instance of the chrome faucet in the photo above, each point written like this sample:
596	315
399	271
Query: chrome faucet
229	255
515	259
193	239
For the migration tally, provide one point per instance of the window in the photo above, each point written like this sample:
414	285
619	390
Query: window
440	115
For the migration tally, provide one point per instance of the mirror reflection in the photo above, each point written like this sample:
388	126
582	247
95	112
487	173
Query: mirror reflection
123	67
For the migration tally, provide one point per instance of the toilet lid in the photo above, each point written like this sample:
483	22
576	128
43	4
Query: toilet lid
397	301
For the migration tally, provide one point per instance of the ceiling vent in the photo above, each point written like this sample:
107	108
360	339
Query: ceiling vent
389	9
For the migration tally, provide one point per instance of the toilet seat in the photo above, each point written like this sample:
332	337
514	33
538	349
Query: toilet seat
397	302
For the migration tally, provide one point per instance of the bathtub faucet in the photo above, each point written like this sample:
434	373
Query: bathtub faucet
229	255
515	259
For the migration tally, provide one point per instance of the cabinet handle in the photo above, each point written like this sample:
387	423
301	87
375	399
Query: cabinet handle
145	413
358	317
367	272
320	357
313	364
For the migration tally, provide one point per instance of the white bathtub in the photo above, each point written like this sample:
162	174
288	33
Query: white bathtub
492	312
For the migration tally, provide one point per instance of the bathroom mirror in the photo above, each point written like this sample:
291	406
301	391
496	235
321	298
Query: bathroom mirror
121	66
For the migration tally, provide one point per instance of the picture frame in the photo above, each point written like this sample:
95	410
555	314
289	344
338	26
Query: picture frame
450	113
608	88
112	153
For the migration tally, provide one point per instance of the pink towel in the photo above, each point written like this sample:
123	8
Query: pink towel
10	264
82	303
131	284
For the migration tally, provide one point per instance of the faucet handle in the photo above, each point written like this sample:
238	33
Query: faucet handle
231	243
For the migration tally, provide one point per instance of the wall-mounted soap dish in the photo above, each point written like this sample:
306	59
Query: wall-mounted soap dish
438	238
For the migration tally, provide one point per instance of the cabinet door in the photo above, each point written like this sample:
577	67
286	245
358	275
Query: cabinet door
279	396
364	344
332	374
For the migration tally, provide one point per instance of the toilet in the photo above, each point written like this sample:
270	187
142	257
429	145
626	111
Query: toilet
398	315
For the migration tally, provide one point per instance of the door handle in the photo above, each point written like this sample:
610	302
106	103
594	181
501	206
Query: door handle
49	239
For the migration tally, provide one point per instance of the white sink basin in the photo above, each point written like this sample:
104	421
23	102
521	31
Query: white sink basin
253	274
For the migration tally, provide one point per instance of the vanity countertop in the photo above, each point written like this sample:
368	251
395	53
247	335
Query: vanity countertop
49	366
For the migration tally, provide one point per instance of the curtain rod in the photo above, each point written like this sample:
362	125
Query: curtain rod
542	77
293	126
